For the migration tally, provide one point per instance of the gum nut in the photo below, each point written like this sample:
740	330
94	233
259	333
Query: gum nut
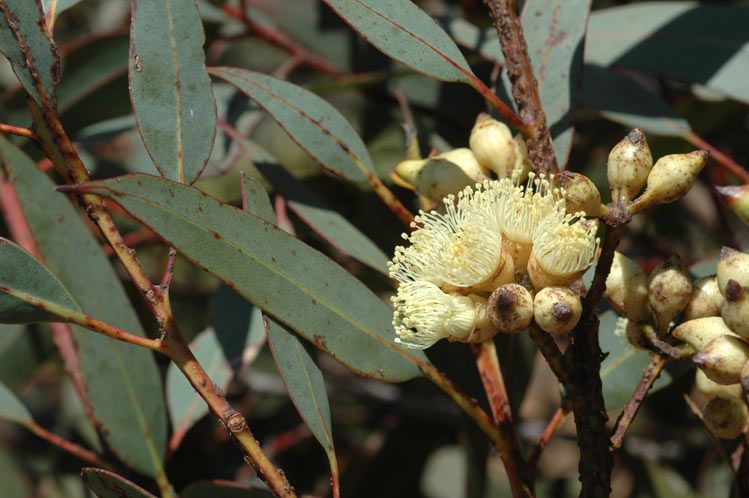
669	290
510	308
733	265
726	418
557	309
722	359
627	289
735	312
710	389
700	331
705	300
492	144
629	164
672	176
580	194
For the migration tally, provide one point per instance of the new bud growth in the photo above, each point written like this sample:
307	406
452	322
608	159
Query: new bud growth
722	359
726	418
492	143
671	177
580	194
733	265
627	289
510	308
628	166
705	300
736	198
710	389
437	177
557	309
699	332
669	290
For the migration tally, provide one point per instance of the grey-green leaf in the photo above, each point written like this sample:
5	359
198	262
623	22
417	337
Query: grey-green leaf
329	224
622	368
29	292
170	88
123	382
107	484
11	407
704	44
204	489
22	39
284	277
60	5
623	101
407	34
308	119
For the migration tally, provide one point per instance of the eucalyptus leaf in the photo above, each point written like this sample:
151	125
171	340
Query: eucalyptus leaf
170	88
107	484
284	277
11	407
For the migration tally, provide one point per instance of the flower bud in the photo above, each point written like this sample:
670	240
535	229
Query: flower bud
726	418
705	300
671	177
628	166
627	289
492	144
449	173
580	194
733	265
522	164
557	309
735	309
510	308
736	198
406	172
722	359
669	290
710	389
699	332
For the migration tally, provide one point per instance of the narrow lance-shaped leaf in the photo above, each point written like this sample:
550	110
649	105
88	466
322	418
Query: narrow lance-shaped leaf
29	292
170	88
308	119
107	484
24	40
295	361
11	407
407	34
284	277
122	381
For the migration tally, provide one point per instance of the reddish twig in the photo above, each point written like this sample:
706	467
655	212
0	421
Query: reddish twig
649	376
543	441
68	446
282	41
133	239
18	130
721	158
525	91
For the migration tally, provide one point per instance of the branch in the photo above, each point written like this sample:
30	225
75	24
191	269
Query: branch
649	376
69	446
19	131
551	428
524	86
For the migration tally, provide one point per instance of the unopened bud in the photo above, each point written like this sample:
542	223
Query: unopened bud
699	332
726	418
522	164
705	300
445	174
492	144
735	309
736	198
669	290
406	172
510	308
557	309
580	194
628	166
671	177
733	265
710	389
722	359
627	289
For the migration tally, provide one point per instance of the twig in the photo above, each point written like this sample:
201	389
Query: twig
68	446
19	131
133	239
679	352
649	376
543	441
721	158
282	41
716	442
487	363
524	86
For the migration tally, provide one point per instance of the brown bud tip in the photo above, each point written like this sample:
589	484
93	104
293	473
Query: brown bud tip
636	136
733	265
734	291
556	309
510	308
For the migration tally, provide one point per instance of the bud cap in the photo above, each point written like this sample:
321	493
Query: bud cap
628	166
722	359
705	300
627	289
510	308
557	309
726	417
671	177
733	265
669	290
699	332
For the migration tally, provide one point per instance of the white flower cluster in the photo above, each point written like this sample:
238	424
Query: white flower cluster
486	236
